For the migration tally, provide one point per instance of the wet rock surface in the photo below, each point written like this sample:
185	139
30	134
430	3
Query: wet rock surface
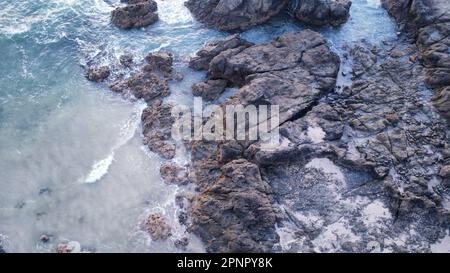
428	23
235	212
172	173
322	12
98	74
234	14
136	14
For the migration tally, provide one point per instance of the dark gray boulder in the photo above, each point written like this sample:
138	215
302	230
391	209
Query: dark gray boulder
136	14
234	14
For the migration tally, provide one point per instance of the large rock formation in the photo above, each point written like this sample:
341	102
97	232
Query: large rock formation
239	14
322	12
136	14
428	22
234	14
234	210
354	169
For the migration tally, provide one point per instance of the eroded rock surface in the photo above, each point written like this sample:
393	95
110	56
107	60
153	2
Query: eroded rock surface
157	124
428	22
322	12
234	14
234	210
354	170
363	167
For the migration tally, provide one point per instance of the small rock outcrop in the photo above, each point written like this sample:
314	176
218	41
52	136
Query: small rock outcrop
157	227
160	62
234	14
323	12
136	14
98	74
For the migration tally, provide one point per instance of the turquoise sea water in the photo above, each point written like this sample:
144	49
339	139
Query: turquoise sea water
71	161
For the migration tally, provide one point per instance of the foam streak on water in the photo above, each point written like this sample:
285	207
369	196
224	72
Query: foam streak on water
128	130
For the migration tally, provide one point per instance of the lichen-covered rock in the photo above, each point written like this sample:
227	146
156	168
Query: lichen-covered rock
323	12
234	14
136	14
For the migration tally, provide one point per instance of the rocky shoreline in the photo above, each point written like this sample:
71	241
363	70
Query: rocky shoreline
359	168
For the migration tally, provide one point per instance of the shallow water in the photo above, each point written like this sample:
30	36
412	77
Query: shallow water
71	160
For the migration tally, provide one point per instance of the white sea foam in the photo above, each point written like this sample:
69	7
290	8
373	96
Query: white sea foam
174	11
100	168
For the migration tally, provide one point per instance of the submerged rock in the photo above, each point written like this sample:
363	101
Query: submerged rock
323	12
234	14
157	227
69	247
182	243
44	238
136	14
126	60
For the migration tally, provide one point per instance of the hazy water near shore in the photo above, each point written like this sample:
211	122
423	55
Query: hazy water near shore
71	159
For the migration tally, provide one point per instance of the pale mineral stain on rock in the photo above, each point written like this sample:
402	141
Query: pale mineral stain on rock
328	167
316	134
442	246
